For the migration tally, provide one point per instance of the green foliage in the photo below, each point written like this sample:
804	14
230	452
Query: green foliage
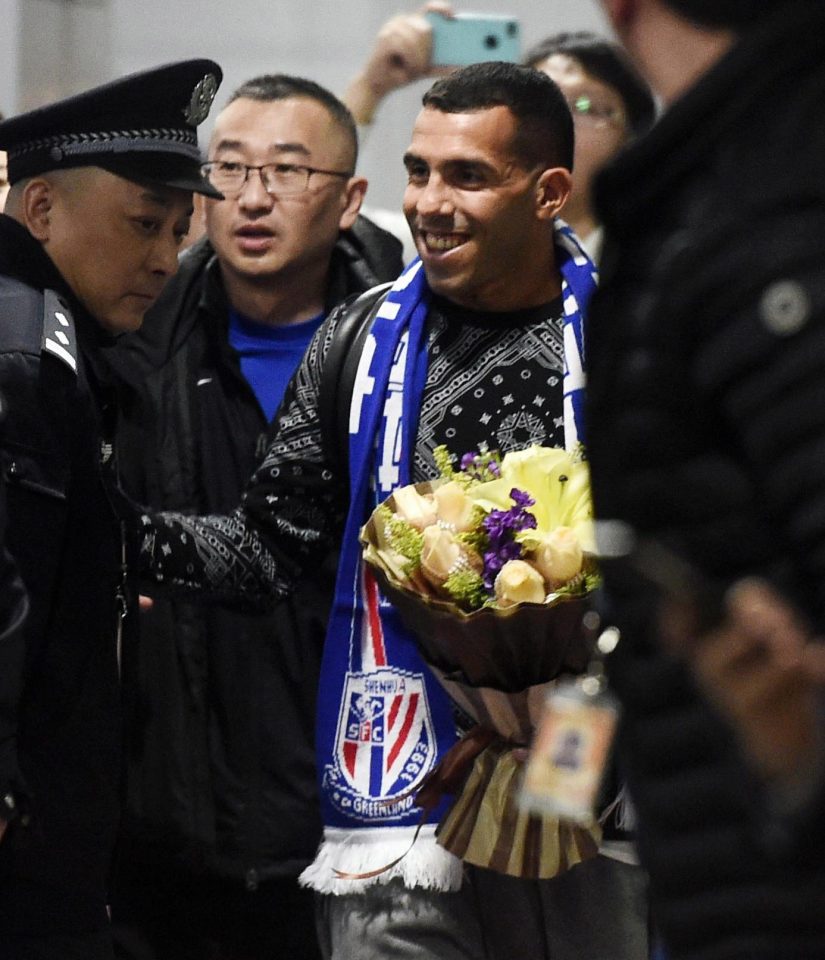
467	589
476	539
579	453
443	460
403	538
585	582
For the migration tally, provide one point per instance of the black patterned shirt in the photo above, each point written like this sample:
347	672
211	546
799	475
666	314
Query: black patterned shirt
493	379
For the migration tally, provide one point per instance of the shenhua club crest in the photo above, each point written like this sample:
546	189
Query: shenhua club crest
384	745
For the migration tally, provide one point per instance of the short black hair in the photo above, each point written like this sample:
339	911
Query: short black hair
735	14
606	61
545	128
282	86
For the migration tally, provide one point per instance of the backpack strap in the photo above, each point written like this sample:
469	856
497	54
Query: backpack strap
340	370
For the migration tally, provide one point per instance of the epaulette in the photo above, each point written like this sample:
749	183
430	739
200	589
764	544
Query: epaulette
32	322
59	337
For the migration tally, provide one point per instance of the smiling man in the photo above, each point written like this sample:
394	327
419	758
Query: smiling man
222	801
475	344
471	205
100	199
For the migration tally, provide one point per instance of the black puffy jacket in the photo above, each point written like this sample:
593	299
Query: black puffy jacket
65	536
706	429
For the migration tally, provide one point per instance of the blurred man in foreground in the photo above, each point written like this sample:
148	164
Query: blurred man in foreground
707	417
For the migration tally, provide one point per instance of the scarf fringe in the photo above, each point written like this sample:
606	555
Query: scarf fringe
424	864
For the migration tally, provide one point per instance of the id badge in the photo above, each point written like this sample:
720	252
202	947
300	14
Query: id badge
570	751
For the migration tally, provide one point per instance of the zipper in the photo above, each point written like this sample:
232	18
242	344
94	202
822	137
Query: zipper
121	596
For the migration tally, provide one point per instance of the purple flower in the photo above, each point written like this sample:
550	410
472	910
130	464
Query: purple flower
501	526
481	465
495	524
468	461
522	499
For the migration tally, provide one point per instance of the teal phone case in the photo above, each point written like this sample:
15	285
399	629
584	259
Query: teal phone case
473	37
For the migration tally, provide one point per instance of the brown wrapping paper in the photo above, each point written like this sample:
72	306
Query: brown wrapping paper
485	826
512	715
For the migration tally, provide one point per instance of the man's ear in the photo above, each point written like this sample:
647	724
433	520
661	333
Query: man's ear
35	207
353	198
552	190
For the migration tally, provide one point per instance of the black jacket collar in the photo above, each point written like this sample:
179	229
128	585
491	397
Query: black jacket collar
23	257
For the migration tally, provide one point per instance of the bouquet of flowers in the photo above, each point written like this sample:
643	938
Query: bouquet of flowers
488	567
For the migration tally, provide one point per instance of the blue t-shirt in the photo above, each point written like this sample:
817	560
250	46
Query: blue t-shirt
270	355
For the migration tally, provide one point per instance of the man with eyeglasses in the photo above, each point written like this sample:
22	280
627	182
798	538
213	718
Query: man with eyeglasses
222	807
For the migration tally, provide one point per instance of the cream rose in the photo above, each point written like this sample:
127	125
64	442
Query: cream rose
443	555
455	509
417	509
519	582
440	555
559	556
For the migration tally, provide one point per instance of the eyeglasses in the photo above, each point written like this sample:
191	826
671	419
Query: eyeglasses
594	113
284	179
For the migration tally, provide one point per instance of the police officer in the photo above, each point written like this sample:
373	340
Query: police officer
100	199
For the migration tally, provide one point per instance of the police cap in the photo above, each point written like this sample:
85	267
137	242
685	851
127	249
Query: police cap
142	127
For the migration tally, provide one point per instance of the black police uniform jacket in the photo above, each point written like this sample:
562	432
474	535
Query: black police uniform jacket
65	537
706	430
221	768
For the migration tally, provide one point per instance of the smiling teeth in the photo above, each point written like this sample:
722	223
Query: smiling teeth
435	242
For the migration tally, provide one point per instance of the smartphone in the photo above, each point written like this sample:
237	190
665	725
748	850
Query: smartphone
474	37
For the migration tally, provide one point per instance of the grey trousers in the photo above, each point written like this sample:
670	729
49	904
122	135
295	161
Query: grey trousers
595	911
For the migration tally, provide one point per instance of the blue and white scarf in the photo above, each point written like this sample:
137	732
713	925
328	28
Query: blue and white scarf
383	720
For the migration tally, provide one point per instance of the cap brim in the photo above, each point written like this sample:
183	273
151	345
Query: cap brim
160	171
196	184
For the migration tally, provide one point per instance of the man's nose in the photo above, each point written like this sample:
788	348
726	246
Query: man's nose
254	194
434	197
165	255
